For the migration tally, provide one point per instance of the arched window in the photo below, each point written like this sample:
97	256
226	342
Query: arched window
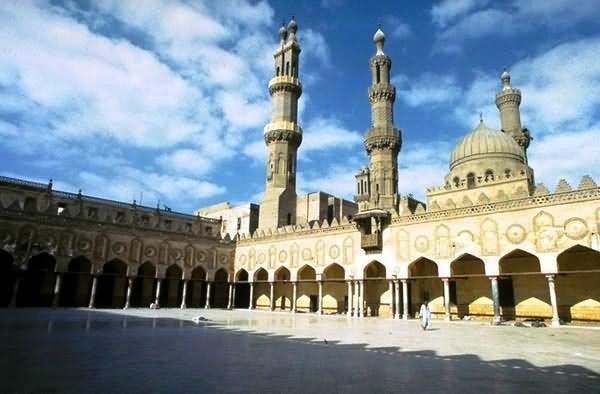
278	71
470	180
489	175
507	173
287	68
456	181
378	73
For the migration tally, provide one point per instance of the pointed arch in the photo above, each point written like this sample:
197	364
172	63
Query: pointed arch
241	275
112	285
221	275
334	271
423	267
469	288
261	275
144	285
307	272
578	258
75	287
171	288
467	265
518	261
374	270
282	274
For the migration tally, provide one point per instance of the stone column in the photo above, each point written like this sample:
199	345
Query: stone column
13	298
233	295
392	298
93	292
294	295
349	312
446	299
128	293
361	299
57	284
405	299
251	303
320	302
553	301
207	305
495	300
157	298
271	296
357	294
229	297
397	288
184	295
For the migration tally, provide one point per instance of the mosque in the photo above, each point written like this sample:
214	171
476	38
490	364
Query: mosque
489	243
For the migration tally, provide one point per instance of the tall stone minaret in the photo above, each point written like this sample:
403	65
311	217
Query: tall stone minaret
379	182
508	100
282	135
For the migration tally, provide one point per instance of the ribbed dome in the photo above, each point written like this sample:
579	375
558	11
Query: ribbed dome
483	142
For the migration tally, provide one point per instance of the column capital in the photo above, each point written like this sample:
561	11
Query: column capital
550	277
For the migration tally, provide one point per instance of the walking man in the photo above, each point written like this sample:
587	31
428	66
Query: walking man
425	315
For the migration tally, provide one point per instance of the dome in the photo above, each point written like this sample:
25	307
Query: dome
484	142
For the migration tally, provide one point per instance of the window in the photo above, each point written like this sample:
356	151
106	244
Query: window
188	227
30	204
92	212
287	68
289	219
239	224
507	173
61	208
209	230
506	292
378	74
377	188
277	71
329	213
456	181
120	218
470	181
489	175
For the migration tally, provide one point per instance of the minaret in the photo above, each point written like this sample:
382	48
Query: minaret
382	140
282	135
508	100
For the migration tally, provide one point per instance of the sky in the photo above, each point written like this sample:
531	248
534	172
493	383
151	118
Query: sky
165	101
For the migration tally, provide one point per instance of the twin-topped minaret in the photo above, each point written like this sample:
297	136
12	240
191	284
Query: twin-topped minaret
282	135
377	184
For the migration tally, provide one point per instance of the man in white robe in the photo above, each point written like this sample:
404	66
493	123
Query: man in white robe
425	315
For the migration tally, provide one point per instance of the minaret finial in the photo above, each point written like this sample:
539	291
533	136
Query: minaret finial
379	40
480	117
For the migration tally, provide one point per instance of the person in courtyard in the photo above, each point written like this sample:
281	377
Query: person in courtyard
425	315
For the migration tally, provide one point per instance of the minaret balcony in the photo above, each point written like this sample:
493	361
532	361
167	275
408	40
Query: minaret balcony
285	83
371	241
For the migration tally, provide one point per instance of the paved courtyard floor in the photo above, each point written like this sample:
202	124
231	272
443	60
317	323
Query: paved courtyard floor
142	350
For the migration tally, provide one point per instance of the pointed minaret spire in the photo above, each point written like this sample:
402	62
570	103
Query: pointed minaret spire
508	100
378	184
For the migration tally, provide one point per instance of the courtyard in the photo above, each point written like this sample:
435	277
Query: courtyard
142	350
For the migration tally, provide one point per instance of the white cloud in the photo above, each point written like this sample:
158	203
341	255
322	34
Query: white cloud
396	27
327	134
422	166
447	11
426	89
337	180
464	20
256	150
315	45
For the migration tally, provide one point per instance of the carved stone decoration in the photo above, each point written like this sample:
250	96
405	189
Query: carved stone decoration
546	235
307	254
163	253
334	251
84	245
251	258
442	241
515	233
67	243
403	245
294	255
189	256
272	257
282	256
223	259
242	259
489	238
135	250
150	251
422	244
200	256
260	259
348	250
320	252
119	248
101	247
463	239
576	228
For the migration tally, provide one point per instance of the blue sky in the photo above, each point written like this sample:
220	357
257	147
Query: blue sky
169	98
